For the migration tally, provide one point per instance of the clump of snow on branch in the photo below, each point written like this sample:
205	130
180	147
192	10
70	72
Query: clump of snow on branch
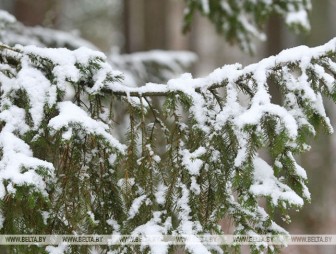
152	66
71	116
266	184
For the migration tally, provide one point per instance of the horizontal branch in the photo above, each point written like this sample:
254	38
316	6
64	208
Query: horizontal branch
301	55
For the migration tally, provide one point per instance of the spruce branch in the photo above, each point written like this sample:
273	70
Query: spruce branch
207	165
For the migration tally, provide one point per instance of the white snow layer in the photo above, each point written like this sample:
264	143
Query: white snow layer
6	17
155	227
266	184
71	116
137	67
18	164
298	17
60	249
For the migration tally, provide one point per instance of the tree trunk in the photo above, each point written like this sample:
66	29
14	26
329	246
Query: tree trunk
37	12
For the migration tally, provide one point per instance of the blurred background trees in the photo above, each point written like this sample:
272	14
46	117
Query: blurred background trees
138	25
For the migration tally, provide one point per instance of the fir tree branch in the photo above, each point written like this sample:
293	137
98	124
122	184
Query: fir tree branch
236	74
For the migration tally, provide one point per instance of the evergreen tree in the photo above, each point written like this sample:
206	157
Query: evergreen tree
184	161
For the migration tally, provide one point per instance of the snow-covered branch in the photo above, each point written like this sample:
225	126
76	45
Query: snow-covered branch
182	162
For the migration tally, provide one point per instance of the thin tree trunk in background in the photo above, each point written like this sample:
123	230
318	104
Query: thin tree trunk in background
175	39
155	24
274	45
126	26
133	25
146	25
275	35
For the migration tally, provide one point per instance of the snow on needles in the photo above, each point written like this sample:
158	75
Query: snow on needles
40	94
257	74
266	184
154	227
71	116
18	165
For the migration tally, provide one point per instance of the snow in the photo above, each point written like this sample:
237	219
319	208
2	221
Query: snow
58	56
13	33
198	108
129	181
205	6
328	79
92	217
101	76
14	117
65	74
160	194
231	73
298	169
251	28
189	228
114	224
242	151
84	55
191	161
136	204
253	116
154	227
138	67
2	220
18	164
231	109
226	7
194	186
70	115
266	184
45	216
60	249
6	17
169	58
298	17
39	95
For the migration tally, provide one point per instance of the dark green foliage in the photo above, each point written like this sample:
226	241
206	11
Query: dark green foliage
242	21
